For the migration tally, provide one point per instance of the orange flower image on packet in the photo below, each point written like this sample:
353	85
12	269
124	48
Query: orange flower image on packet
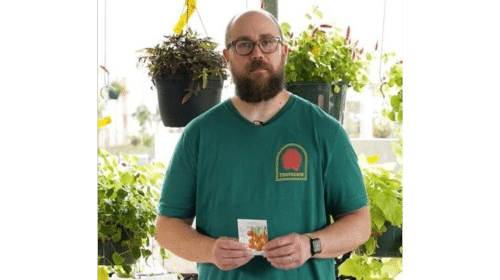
253	233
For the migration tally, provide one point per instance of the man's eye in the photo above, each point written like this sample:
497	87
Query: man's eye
245	45
266	42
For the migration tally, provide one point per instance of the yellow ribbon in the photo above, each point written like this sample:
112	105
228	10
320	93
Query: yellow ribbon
372	159
102	274
191	5
102	122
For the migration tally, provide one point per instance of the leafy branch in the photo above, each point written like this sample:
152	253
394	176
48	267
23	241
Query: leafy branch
321	53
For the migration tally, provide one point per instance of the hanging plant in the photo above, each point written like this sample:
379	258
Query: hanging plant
323	54
186	53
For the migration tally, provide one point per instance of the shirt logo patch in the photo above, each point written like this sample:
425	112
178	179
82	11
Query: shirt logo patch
291	163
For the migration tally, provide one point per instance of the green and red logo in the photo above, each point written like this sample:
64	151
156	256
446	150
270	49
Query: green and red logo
291	163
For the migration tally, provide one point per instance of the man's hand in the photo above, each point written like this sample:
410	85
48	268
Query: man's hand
229	254
288	252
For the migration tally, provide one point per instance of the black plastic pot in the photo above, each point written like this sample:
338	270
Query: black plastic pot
321	94
337	102
113	95
389	243
172	89
316	92
107	249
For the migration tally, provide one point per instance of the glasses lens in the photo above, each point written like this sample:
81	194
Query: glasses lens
244	47
269	45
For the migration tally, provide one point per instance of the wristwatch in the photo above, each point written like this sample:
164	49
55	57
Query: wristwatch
315	245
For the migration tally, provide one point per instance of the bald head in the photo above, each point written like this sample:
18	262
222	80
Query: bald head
248	18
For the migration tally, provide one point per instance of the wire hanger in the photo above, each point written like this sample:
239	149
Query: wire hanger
106	72
381	53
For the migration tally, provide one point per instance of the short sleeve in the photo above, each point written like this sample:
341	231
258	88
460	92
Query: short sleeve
178	195
344	187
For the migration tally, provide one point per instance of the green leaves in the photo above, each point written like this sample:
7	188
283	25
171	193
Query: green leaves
117	236
322	54
136	252
363	267
121	193
377	217
396	101
395	84
317	12
127	202
360	267
117	258
384	192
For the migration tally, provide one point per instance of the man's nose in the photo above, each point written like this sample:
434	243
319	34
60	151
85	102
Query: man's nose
256	53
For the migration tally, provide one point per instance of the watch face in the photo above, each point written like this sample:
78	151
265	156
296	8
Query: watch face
316	246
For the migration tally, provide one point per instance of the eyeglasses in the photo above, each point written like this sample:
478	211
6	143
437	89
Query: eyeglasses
245	47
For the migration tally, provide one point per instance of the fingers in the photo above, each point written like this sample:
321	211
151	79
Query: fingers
230	254
279	242
231	244
286	262
287	252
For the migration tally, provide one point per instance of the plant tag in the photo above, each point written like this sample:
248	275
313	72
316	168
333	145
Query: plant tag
254	234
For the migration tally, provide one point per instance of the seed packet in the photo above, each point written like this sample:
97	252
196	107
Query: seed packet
253	233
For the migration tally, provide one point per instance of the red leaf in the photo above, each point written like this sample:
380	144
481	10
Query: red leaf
348	31
291	35
325	26
361	52
104	68
314	32
376	45
137	175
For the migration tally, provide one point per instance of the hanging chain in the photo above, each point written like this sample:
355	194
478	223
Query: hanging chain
199	16
186	6
106	72
381	52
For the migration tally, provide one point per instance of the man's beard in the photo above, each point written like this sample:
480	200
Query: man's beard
255	91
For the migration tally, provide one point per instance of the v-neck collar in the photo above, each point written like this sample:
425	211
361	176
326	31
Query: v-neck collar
229	104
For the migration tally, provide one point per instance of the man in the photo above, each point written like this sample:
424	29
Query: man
264	154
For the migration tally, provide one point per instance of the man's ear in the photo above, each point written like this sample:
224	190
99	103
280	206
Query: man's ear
285	50
225	53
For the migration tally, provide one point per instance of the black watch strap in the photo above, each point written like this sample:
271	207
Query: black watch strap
315	245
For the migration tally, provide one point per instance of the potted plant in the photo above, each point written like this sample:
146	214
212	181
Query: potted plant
322	63
385	193
127	198
393	85
188	74
115	90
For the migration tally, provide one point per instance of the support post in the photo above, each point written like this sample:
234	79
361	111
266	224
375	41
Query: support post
271	6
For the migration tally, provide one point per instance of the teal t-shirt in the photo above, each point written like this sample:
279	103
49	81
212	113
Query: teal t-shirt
292	172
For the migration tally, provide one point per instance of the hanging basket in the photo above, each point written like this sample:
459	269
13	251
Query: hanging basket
172	89
113	95
321	94
389	243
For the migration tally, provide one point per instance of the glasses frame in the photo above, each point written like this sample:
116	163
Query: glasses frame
233	43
